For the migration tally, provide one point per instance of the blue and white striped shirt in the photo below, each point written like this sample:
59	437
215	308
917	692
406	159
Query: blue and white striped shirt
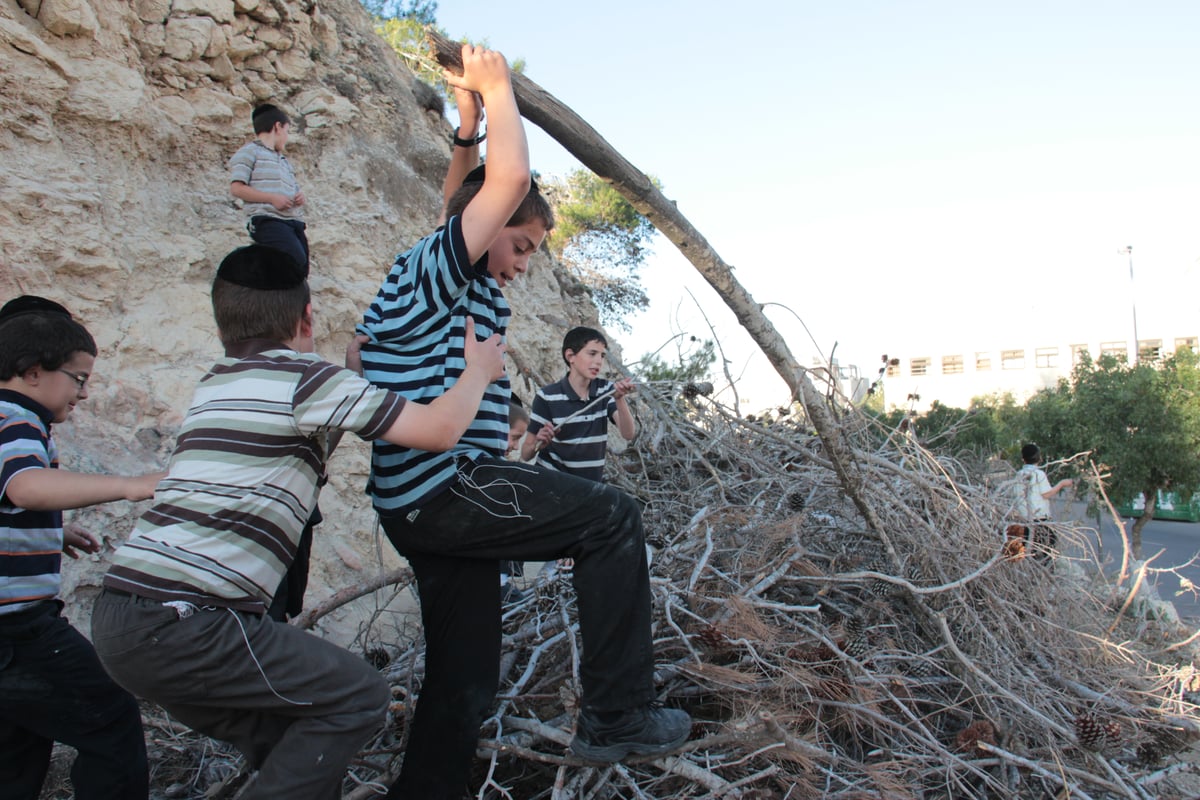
415	328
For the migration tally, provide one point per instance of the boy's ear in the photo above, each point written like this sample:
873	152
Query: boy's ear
305	326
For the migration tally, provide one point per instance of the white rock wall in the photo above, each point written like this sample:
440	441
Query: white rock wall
116	122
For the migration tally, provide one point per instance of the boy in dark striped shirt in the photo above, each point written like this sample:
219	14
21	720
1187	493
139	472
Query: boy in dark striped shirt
454	516
52	687
568	426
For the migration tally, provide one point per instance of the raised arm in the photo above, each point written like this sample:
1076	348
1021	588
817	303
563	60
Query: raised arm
463	158
507	179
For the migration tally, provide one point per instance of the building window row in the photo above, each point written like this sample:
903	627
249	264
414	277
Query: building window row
1043	357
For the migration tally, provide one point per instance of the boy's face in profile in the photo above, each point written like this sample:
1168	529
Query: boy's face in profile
516	432
281	131
509	254
588	362
58	391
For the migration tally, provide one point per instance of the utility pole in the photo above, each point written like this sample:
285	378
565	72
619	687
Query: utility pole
1128	250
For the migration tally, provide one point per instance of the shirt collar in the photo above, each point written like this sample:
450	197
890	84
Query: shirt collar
252	347
593	388
29	404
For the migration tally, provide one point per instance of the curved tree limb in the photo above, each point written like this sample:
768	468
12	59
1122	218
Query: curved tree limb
582	141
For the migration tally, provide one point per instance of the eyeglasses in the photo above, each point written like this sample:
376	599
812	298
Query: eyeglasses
80	378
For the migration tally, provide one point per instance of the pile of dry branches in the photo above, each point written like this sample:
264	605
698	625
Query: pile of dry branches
824	655
848	630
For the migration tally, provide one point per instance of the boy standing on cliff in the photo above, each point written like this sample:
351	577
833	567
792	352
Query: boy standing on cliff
455	515
262	178
52	687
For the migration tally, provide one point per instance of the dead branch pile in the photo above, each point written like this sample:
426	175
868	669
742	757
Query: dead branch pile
821	657
824	652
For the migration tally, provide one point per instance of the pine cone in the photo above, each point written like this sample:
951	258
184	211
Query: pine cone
919	668
1091	732
713	638
969	737
858	648
880	588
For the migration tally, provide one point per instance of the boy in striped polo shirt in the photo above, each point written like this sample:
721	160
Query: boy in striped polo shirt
569	421
454	516
52	687
181	620
262	178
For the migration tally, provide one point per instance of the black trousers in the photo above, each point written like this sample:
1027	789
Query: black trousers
505	510
53	689
283	234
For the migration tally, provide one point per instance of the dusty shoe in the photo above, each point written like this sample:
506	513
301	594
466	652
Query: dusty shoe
648	730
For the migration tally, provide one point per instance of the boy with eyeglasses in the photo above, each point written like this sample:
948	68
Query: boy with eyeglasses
52	686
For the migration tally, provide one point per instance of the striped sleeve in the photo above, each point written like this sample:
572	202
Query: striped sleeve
332	398
241	164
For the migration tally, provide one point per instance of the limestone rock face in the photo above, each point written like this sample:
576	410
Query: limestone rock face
117	119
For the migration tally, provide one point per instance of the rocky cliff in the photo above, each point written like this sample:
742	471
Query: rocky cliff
116	122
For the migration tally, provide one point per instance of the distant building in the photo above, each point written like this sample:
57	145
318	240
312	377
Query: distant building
953	378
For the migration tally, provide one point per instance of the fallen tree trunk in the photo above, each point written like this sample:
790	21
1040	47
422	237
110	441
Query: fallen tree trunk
582	141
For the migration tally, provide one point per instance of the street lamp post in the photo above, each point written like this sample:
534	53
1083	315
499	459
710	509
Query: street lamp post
1128	250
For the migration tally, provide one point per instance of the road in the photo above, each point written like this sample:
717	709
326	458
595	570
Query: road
1179	543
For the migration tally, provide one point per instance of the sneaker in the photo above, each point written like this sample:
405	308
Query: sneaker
510	594
649	730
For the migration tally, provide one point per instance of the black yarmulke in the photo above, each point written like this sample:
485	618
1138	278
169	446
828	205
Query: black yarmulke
257	266
29	304
477	176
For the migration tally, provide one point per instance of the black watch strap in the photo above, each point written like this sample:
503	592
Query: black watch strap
467	142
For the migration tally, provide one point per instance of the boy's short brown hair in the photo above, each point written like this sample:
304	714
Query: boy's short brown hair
534	206
578	337
259	293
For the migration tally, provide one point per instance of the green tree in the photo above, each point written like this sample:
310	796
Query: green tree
603	240
1142	421
402	24
692	363
991	425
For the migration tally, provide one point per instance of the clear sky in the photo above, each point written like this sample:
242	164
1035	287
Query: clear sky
911	178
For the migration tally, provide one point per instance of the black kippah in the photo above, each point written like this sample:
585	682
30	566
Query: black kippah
257	266
477	175
30	304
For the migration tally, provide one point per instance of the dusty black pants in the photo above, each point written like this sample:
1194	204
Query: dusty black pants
505	510
53	689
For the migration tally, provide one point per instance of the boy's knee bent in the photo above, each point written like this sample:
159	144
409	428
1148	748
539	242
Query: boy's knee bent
626	516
